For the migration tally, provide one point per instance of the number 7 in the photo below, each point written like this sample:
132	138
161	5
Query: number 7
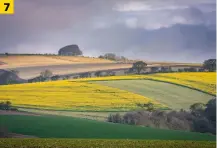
7	6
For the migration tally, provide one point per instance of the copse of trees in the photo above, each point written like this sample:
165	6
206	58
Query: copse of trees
197	109
7	105
200	118
85	75
113	57
98	74
210	65
149	106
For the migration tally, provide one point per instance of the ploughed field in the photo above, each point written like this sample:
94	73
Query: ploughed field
34	71
117	93
14	61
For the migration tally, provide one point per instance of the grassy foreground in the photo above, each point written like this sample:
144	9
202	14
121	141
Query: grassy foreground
68	127
81	143
175	97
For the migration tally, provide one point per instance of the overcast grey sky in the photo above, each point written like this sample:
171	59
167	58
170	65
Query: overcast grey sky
156	30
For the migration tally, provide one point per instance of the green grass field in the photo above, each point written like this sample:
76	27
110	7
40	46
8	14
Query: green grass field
176	97
93	143
68	127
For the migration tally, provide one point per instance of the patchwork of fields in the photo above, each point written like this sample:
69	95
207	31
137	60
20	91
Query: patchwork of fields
117	93
202	81
173	96
77	96
95	99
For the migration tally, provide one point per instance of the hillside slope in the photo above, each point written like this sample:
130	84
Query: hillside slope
7	77
201	81
34	60
76	96
68	127
175	97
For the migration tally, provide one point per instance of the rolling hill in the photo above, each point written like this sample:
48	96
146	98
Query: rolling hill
14	61
68	127
114	94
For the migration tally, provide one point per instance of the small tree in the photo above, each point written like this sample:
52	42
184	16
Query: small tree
5	105
56	77
98	73
197	109
46	74
101	57
149	106
154	69
211	110
139	66
110	56
110	73
8	105
210	64
180	70
197	106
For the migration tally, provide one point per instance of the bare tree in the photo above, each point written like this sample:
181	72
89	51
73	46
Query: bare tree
46	74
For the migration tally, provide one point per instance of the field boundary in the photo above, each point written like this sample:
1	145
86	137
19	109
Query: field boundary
47	109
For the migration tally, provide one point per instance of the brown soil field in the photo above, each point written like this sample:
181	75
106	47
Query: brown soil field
34	71
30	66
74	59
30	61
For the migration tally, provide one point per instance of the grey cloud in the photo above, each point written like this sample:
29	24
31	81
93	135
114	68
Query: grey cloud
171	43
97	27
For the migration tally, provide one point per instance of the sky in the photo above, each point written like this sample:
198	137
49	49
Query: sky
151	30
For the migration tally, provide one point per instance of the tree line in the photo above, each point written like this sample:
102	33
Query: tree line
208	65
199	118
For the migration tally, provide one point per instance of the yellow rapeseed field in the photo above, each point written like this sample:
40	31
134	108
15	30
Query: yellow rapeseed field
66	95
204	81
